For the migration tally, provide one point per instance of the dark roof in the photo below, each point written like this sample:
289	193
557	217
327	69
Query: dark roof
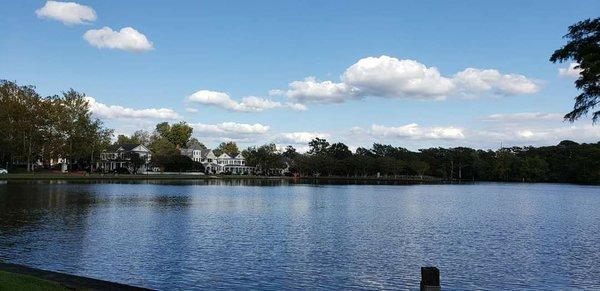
125	146
195	147
204	153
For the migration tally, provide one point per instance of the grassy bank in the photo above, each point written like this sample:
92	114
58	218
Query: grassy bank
12	281
19	277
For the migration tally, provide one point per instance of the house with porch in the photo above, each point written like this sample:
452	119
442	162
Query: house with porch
120	156
218	165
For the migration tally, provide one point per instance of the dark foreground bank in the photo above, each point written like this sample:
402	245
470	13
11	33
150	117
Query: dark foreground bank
19	277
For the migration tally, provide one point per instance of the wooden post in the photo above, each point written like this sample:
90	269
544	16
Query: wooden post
430	279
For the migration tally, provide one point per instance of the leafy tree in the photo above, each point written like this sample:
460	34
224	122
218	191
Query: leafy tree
230	148
123	139
583	47
265	158
534	169
419	167
339	151
290	152
142	137
195	143
38	128
137	162
318	146
178	134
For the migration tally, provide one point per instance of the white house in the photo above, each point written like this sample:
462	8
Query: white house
119	156
234	165
217	165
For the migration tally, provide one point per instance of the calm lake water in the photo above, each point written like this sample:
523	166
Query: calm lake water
235	234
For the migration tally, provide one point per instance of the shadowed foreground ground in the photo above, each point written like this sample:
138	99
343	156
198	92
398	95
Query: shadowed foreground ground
17	277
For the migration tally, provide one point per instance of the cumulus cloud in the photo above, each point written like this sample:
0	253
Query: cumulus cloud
230	128
232	131
572	71
415	131
312	90
67	12
302	137
530	128
127	39
536	135
389	77
393	78
473	82
114	111
248	104
524	116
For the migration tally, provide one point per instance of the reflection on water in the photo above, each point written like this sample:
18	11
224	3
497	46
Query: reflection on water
230	234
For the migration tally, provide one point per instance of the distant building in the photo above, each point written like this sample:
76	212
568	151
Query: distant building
119	156
218	165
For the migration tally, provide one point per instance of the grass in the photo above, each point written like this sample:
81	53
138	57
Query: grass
18	282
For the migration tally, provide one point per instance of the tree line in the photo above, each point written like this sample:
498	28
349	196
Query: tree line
566	162
35	128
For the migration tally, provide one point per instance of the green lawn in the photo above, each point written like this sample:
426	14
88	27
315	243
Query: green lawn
18	282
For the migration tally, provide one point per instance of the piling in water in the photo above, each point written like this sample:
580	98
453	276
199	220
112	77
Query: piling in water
430	279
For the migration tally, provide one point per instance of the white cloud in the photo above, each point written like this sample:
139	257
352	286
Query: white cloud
573	71
297	106
302	137
393	78
524	116
389	77
473	81
230	128
127	39
248	104
115	111
312	90
67	12
536	135
191	110
415	131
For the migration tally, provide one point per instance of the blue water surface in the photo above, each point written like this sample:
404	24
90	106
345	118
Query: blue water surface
280	235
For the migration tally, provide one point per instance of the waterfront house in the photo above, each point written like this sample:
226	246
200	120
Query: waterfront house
218	165
120	156
234	165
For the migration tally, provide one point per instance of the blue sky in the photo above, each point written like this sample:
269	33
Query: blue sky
200	60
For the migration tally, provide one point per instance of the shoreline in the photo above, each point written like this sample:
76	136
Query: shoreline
184	177
293	180
62	280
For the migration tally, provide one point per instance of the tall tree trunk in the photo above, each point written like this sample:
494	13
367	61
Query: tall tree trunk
29	165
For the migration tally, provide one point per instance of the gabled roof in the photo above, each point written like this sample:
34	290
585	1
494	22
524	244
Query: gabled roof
195	147
141	148
239	156
210	154
124	147
224	156
204	153
129	146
